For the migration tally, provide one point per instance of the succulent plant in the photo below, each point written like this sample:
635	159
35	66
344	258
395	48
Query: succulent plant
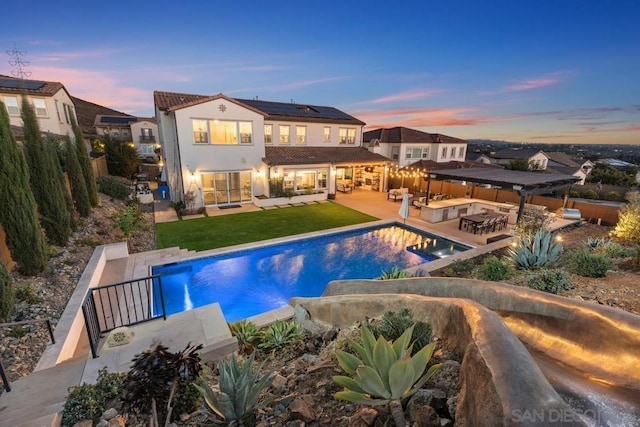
385	373
240	389
394	273
537	251
247	334
279	334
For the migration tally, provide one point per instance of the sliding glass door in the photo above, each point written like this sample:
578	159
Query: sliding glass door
222	188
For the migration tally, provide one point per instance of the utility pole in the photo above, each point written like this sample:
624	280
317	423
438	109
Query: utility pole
19	63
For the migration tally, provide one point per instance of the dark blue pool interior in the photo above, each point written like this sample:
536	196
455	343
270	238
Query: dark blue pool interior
255	281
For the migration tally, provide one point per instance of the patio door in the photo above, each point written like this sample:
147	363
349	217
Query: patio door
222	188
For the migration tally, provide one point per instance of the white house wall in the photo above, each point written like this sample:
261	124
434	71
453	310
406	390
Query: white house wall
50	123
315	134
169	142
199	158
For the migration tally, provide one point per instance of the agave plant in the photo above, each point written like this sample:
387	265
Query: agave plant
279	334
240	389
247	334
537	251
385	373
394	273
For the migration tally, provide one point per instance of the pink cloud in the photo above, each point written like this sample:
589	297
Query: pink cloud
404	96
535	83
98	87
72	55
427	117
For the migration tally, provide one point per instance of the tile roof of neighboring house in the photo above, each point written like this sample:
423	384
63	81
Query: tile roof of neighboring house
312	155
561	158
430	165
170	101
9	84
508	153
566	170
86	113
403	134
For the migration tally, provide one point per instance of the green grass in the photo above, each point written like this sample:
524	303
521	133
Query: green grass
234	229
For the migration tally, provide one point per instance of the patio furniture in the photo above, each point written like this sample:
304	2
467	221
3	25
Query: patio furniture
343	187
395	195
419	202
479	223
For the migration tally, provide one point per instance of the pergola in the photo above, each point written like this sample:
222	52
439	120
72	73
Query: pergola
524	183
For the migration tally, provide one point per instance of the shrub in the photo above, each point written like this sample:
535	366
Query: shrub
87	401
84	402
460	268
384	373
574	193
535	252
614	196
28	294
493	269
113	187
240	388
628	226
280	334
587	264
549	280
155	377
247	333
607	247
590	194
6	293
394	323
130	219
532	221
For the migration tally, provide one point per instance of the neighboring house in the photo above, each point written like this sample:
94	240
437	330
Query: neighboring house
229	150
52	103
563	163
533	156
141	131
86	112
405	146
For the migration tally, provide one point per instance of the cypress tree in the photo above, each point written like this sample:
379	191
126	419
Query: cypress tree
76	178
6	294
53	148
19	215
85	164
45	176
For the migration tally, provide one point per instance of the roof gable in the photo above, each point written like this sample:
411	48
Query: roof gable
523	153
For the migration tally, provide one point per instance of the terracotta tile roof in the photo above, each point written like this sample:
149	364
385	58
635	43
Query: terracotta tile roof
9	84
311	155
561	158
406	135
509	153
282	111
86	112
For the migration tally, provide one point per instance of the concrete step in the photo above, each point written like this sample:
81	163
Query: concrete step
220	349
36	399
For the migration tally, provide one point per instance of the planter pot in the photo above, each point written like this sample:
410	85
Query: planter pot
279	201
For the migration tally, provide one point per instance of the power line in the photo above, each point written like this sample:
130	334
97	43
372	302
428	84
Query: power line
18	62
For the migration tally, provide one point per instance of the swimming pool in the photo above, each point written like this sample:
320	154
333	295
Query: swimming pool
255	281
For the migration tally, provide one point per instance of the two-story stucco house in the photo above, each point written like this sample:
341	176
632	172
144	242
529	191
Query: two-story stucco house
405	146
228	151
537	158
51	101
141	131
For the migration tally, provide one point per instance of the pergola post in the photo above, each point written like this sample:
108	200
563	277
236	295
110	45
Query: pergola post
523	198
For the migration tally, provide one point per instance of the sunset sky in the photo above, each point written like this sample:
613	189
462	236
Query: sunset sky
518	70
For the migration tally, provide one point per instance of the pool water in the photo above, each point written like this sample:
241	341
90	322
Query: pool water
255	281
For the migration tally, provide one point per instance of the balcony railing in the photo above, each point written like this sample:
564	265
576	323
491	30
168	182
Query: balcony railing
147	139
122	304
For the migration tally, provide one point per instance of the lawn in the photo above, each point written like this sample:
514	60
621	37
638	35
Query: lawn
227	230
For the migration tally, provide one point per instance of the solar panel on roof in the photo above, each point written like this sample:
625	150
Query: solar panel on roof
118	120
20	84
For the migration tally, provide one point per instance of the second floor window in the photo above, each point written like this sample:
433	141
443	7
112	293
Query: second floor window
284	134
417	153
326	136
268	134
11	102
395	152
41	107
347	136
444	152
301	134
222	132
